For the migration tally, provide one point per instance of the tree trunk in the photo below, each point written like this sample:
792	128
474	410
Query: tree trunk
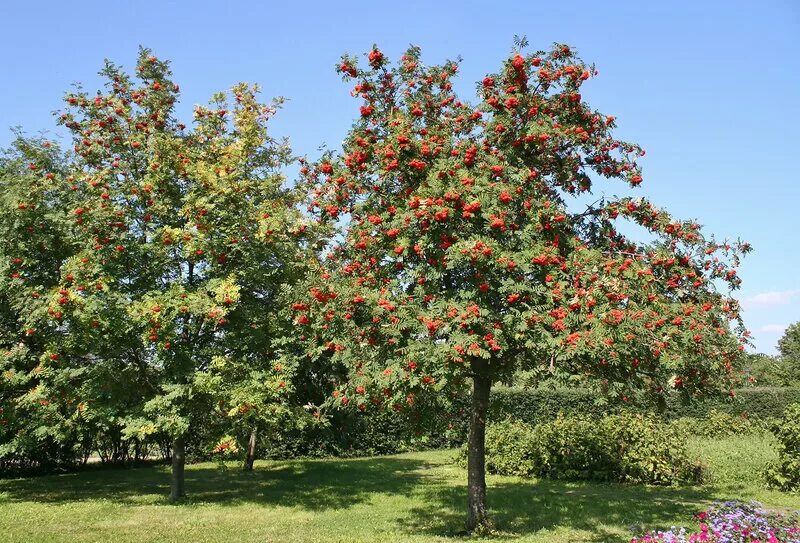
178	462
251	451
477	512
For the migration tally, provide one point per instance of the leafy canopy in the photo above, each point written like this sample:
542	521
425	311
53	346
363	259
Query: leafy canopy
146	270
462	252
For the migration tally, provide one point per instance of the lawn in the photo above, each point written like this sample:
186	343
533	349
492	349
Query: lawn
415	497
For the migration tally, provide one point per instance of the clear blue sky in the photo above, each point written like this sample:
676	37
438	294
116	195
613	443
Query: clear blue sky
710	88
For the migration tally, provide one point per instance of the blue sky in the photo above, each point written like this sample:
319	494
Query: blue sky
711	89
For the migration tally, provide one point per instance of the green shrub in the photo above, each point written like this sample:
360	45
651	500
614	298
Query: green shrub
649	451
626	447
509	448
574	447
756	403
351	434
785	473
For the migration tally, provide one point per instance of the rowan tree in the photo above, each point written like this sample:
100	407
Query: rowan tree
35	427
465	254
180	243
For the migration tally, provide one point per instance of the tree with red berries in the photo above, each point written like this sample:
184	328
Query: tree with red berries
465	255
37	424
182	243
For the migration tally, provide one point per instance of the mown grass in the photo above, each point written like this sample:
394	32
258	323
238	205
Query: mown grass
417	497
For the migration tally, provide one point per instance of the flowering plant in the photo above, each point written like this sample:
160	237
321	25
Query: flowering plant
734	522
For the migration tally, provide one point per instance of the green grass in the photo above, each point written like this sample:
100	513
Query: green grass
417	497
736	463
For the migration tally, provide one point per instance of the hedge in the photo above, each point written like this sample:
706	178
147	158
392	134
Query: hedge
539	405
351	434
359	434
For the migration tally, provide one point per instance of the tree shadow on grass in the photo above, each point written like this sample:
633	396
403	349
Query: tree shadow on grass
525	507
518	506
310	484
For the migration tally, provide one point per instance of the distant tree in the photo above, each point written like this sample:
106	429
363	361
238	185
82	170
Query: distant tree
761	370
789	349
462	260
789	343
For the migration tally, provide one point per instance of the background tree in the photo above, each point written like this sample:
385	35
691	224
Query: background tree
760	369
467	254
789	349
789	343
180	241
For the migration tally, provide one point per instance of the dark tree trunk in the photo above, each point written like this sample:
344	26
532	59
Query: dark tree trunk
251	451
178	462
477	512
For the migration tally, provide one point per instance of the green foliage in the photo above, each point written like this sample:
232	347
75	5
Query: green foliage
650	451
789	343
510	448
144	274
788	369
760	369
543	404
351	434
573	448
763	403
785	473
626	448
781	371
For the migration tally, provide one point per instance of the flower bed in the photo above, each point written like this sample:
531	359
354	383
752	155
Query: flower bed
734	522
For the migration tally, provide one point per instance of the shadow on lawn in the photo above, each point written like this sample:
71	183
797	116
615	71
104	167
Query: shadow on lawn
311	484
526	507
518	506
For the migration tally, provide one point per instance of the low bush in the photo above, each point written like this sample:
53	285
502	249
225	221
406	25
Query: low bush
647	450
574	448
626	448
785	473
510	448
